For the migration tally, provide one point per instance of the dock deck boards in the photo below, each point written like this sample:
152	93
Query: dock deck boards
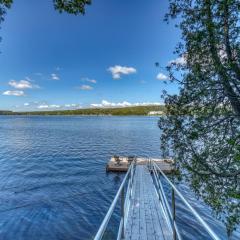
145	219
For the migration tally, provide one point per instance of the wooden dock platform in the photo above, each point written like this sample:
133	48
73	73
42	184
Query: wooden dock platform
146	218
121	164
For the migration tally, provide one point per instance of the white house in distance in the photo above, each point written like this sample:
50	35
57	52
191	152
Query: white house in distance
155	113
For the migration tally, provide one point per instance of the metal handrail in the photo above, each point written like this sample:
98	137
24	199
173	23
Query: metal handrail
192	210
120	193
170	216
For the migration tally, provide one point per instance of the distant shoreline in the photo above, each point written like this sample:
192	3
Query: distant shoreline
72	115
123	111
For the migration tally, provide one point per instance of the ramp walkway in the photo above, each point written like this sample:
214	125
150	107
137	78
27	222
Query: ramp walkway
146	213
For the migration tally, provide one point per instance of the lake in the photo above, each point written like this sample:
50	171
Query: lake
53	183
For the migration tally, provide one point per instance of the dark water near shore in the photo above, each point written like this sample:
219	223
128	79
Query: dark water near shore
53	183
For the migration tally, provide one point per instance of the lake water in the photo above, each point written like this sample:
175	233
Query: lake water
53	183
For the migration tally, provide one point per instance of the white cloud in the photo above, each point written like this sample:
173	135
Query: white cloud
54	106
54	76
17	93
162	76
118	70
38	74
86	87
72	105
89	80
105	103
179	61
33	104
22	84
92	80
45	106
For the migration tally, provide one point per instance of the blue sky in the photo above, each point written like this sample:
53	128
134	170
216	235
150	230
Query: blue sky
50	60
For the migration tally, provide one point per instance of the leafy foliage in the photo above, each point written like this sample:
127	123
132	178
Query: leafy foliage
71	6
202	122
4	5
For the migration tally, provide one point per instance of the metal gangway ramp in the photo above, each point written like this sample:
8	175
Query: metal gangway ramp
145	211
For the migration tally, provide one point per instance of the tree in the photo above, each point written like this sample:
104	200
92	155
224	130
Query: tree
4	5
202	122
71	6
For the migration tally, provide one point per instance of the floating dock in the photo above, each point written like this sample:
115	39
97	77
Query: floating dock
121	164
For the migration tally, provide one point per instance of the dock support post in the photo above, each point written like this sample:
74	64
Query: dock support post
173	214
122	212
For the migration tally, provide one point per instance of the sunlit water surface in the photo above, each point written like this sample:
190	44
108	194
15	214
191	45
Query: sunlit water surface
53	183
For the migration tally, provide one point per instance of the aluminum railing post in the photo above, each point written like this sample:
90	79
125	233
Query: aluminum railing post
122	211
131	181
173	214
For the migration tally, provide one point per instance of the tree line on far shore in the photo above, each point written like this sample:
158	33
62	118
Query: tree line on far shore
120	111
